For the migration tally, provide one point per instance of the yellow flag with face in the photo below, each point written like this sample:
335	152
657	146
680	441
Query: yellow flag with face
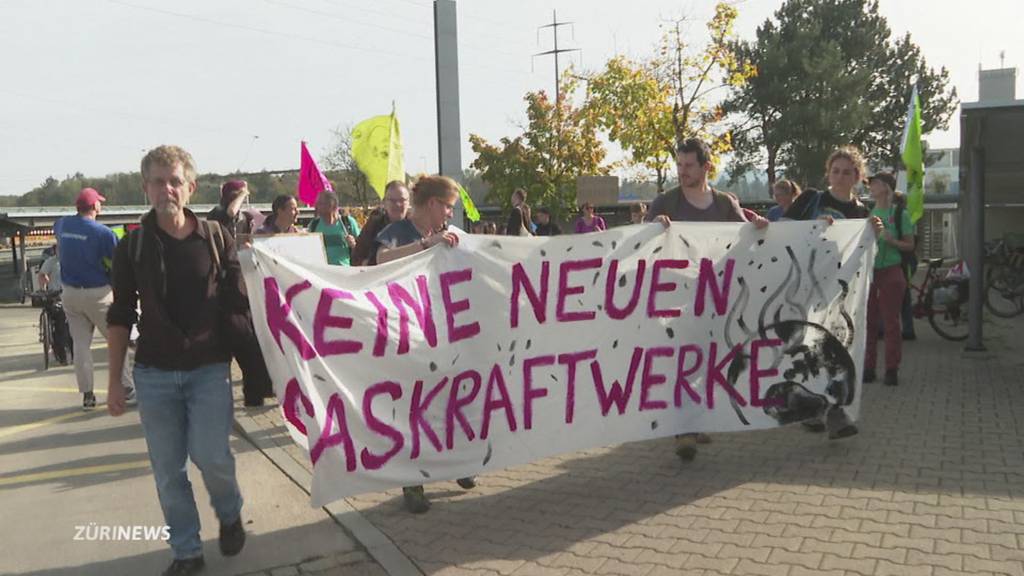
377	150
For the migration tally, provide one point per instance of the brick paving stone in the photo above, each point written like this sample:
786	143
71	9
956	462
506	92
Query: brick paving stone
760	569
886	568
698	562
975	565
618	568
946	560
934	484
809	560
865	566
535	569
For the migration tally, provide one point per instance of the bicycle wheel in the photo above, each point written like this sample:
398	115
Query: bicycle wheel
44	326
1004	292
948	316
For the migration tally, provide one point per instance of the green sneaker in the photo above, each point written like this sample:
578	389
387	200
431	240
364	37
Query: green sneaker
415	500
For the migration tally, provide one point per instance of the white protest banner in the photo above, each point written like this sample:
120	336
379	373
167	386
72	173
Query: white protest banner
504	350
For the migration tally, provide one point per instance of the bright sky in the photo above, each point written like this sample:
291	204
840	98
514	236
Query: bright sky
88	85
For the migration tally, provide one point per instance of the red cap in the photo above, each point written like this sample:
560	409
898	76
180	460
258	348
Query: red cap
87	198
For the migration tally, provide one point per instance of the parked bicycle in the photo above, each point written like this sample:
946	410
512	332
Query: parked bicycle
53	330
943	301
1004	279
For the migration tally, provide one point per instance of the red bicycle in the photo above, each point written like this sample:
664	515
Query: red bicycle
943	301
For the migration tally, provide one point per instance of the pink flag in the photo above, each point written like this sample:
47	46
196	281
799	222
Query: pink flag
311	180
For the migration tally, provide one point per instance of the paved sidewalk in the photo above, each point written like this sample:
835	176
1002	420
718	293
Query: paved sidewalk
933	485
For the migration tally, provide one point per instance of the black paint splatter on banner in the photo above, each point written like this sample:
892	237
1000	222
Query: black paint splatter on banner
512	347
622	281
654	424
528	342
424	473
613	244
487	456
543	253
433	367
685	241
671	333
496	244
615	344
597	243
454	360
319	377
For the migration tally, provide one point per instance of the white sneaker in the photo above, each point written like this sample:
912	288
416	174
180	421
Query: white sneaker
129	397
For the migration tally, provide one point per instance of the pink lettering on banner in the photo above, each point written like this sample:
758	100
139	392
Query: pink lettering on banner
324	320
292	396
614	312
706	282
565	290
496	397
370	460
278	313
683	373
716	376
756	373
658	286
649	379
571	361
539	302
330	439
403	301
453	410
453	307
617	395
530	393
417	408
380	342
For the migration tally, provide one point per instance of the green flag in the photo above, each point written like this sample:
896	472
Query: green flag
377	150
467	204
913	158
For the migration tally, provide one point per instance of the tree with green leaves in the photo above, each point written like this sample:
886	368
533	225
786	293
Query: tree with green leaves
559	143
890	92
648	107
828	75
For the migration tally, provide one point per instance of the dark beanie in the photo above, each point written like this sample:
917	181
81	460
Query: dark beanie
230	190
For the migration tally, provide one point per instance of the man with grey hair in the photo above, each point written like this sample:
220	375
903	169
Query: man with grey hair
185	273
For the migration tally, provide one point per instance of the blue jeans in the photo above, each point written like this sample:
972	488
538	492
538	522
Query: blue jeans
188	415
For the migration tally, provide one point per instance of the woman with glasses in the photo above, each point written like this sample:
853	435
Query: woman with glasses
433	198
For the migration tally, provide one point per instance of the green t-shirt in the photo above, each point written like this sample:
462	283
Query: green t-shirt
338	253
888	255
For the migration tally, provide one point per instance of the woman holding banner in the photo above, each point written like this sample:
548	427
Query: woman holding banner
433	198
844	170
